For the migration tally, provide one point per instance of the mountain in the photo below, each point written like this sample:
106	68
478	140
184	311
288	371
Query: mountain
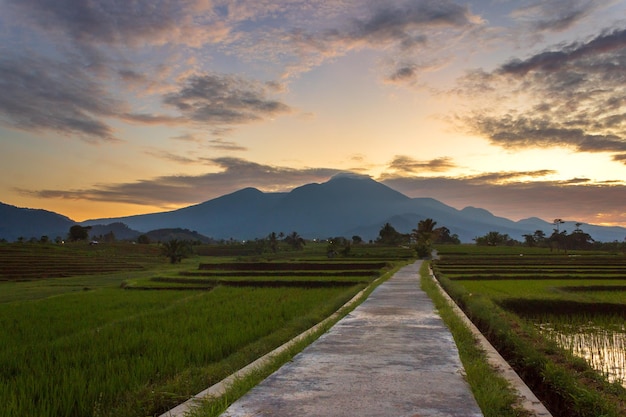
346	205
16	222
120	231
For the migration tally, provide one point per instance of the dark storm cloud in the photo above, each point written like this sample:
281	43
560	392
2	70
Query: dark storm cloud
224	100
571	199
575	94
169	191
40	94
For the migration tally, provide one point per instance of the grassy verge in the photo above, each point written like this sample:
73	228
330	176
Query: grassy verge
494	395
212	407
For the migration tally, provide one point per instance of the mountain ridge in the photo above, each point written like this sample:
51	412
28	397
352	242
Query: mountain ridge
345	206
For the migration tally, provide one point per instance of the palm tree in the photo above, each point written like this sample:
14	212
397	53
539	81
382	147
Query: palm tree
424	236
295	240
388	235
557	223
176	250
273	242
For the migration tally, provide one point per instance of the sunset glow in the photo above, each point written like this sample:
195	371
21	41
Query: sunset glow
120	108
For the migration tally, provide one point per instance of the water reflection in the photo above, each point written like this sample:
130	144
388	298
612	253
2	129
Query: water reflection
604	350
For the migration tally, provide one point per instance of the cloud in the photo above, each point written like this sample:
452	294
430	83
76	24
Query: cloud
110	47
525	131
402	24
555	15
404	29
172	157
224	100
41	94
574	199
515	195
504	177
177	190
122	23
403	73
406	164
212	143
620	158
597	55
225	145
571	95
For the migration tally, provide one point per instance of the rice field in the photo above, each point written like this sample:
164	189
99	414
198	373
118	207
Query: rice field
86	345
577	301
601	341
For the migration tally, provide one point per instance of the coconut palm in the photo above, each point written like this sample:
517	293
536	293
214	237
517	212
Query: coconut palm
295	240
424	236
176	250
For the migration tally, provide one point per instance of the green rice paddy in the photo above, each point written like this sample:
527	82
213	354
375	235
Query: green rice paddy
84	344
575	301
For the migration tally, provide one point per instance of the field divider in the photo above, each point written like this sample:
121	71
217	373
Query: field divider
221	388
527	399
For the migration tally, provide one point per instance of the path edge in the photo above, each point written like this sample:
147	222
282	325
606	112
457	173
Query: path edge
220	388
527	399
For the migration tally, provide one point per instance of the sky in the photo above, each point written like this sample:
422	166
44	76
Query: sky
113	108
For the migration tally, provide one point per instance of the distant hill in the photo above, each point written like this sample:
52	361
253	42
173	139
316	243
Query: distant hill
343	206
164	235
120	231
16	222
346	205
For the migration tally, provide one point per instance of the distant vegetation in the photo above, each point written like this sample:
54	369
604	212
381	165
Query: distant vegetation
559	240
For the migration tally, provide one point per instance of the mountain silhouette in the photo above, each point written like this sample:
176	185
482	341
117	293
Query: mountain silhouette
17	222
346	205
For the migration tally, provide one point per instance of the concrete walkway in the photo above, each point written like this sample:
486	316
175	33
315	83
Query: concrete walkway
392	356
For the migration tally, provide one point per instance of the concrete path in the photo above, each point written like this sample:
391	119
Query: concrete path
392	356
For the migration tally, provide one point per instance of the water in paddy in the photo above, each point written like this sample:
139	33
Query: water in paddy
603	346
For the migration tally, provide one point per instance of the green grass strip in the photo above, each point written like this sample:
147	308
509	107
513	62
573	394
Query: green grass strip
494	395
214	406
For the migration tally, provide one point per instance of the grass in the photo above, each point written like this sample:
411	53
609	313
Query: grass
69	347
213	407
502	309
82	345
493	393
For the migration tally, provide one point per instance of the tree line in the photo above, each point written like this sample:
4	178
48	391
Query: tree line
558	240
